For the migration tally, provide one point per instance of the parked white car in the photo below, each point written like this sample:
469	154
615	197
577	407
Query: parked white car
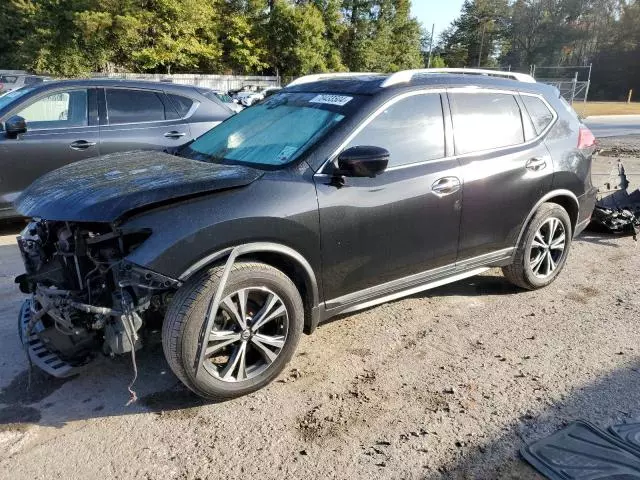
248	98
223	97
13	82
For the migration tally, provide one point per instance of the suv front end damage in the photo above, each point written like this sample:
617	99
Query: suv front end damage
85	297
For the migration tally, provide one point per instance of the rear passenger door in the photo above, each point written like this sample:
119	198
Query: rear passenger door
134	119
506	169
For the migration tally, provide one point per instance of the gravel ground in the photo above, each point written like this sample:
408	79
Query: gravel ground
629	145
445	384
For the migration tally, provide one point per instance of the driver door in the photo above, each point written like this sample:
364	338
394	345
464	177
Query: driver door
61	128
385	229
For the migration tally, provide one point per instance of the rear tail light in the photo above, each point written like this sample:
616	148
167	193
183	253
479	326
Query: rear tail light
586	139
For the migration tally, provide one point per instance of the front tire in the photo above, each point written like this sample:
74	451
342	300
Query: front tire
543	248
256	329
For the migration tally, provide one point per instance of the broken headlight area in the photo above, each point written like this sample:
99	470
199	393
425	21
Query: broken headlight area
86	297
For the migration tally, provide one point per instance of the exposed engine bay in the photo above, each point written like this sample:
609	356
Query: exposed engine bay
85	297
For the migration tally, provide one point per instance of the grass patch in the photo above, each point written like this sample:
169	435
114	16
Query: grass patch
606	108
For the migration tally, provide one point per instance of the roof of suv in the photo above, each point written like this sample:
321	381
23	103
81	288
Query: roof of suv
372	83
116	82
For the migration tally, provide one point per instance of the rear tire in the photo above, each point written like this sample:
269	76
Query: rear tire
543	248
243	354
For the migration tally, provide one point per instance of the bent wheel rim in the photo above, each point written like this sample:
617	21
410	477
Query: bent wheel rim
249	332
547	248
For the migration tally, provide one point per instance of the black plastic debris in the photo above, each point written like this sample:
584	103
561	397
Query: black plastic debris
617	221
617	211
582	451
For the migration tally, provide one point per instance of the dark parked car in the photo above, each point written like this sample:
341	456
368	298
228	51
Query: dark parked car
333	195
47	125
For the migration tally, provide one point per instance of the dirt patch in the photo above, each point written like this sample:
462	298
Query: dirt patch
607	108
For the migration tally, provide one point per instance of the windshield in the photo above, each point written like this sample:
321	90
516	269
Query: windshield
8	79
224	97
7	98
274	132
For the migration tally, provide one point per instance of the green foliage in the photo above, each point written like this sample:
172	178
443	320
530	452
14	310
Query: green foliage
438	62
290	37
296	37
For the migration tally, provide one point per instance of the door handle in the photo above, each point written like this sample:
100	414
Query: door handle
81	145
445	186
174	134
536	164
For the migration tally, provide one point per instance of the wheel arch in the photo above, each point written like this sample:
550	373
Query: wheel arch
284	258
565	198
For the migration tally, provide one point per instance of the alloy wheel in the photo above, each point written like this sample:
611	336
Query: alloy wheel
249	332
547	248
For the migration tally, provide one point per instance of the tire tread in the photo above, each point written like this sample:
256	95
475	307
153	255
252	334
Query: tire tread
192	292
515	272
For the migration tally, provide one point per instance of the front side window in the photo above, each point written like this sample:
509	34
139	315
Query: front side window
411	129
275	132
58	110
484	121
540	114
134	106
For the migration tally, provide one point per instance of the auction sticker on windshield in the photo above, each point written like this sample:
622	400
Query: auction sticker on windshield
339	100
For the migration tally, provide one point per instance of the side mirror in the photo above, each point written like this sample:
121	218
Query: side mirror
363	161
15	126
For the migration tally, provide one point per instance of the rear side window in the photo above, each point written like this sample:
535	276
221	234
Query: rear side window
484	121
540	114
412	129
134	106
182	104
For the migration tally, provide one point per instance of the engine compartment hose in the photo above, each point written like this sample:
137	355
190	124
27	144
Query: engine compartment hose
93	309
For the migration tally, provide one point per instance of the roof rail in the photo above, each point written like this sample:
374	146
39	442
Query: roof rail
325	76
406	75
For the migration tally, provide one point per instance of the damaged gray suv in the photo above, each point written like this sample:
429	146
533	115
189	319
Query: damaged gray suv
337	193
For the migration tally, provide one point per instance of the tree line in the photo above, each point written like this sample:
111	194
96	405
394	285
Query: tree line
550	33
289	38
296	37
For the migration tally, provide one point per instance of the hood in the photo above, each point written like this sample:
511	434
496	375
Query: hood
102	189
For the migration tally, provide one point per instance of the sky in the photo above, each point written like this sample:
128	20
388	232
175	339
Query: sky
440	12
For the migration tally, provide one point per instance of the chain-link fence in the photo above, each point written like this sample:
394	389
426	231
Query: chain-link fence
573	82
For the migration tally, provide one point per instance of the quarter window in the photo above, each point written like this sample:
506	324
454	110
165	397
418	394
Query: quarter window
60	110
412	130
540	114
134	106
182	104
484	121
